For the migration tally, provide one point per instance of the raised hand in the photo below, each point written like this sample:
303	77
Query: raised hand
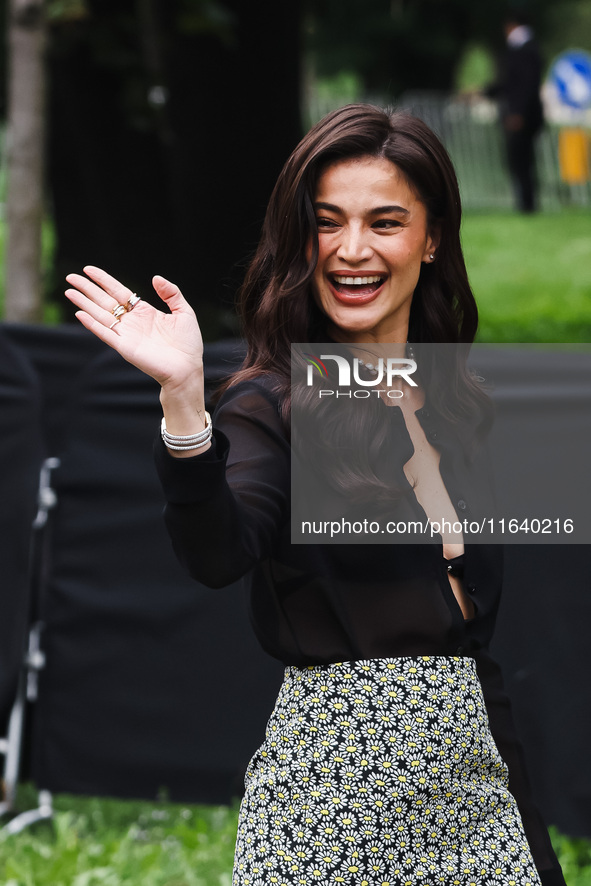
166	346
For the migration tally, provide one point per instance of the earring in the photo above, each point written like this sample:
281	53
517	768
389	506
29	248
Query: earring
432	256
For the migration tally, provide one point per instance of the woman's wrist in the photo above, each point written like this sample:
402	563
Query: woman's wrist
179	442
184	415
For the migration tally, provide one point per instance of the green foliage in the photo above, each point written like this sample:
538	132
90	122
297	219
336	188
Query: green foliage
568	26
575	857
207	17
392	45
531	275
52	313
341	89
105	842
67	10
395	45
328	93
476	68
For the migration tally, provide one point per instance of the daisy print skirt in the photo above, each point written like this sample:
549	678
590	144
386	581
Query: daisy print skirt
381	773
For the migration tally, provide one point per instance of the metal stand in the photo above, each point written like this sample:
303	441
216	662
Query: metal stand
33	663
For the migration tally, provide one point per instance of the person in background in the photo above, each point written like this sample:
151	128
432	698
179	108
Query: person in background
518	91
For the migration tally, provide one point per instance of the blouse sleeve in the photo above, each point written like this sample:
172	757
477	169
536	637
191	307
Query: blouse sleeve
226	508
504	734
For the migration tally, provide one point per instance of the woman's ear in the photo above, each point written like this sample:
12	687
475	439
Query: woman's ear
433	240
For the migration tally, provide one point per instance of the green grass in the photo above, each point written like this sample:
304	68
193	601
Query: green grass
106	842
531	275
574	855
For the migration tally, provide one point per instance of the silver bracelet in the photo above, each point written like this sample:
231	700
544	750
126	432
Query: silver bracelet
187	438
187	441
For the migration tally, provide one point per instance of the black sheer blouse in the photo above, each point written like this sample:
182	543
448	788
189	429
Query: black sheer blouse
228	514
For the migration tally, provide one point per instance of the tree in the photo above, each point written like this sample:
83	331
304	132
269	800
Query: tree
401	45
26	131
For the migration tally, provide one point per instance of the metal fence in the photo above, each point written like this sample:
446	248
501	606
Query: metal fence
471	132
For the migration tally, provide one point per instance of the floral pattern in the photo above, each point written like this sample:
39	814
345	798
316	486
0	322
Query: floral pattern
381	773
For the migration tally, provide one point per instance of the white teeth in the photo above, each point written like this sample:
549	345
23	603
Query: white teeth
357	281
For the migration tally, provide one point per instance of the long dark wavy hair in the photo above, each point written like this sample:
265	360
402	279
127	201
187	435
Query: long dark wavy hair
276	303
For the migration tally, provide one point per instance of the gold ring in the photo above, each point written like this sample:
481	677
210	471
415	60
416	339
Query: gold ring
118	310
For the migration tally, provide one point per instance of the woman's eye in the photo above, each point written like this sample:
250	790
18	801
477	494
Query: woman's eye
325	223
385	223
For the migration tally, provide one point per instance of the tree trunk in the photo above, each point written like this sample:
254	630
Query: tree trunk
26	89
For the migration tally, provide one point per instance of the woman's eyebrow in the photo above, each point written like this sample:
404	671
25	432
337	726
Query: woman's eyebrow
330	207
380	210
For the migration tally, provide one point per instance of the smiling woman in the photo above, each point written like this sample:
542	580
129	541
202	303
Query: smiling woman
390	757
373	236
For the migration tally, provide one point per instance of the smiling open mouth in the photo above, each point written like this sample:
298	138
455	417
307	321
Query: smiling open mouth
351	288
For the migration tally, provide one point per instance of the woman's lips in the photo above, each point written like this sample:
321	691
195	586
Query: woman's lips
357	289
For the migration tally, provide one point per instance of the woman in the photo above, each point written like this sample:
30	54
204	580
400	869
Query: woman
383	762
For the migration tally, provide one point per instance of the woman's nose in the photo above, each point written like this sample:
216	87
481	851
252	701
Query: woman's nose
353	245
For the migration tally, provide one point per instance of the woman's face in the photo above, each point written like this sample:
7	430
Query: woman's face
373	237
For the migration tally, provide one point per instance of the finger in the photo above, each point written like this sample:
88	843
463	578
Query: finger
102	315
92	291
110	284
170	294
109	336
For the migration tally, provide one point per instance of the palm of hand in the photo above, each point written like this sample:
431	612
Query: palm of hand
166	346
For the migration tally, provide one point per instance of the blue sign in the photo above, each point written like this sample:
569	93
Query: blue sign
571	75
